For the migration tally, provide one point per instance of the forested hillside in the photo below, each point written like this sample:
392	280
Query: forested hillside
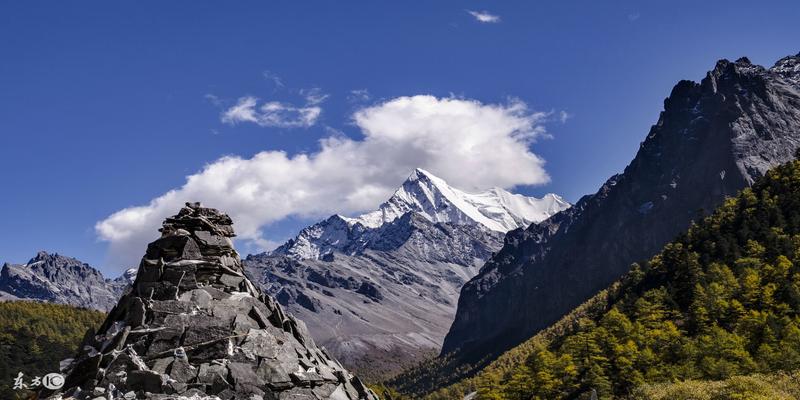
719	301
35	336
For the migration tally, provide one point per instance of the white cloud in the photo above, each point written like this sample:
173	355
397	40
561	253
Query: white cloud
470	144
274	78
484	16
314	96
213	99
632	17
358	95
260	244
272	113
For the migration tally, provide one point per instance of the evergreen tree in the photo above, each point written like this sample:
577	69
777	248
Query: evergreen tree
720	301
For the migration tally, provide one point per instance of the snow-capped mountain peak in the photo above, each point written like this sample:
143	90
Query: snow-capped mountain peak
129	276
432	198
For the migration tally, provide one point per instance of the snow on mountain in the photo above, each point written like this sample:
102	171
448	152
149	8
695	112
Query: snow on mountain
431	197
127	277
380	290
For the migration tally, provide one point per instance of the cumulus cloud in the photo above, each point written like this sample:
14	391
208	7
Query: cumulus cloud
273	113
484	17
470	144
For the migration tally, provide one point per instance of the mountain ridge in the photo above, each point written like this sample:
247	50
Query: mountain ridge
721	295
64	280
431	197
712	139
380	290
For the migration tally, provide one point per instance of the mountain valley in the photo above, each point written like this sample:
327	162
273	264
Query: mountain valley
380	290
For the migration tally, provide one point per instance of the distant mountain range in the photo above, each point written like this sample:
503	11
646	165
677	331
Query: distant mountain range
379	290
712	139
64	280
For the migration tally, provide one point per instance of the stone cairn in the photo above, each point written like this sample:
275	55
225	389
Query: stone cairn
193	326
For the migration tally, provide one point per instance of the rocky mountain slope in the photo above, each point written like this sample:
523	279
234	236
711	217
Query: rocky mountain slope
716	302
380	290
58	279
712	139
194	326
432	198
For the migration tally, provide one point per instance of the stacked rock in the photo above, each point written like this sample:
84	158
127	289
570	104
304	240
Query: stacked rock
193	326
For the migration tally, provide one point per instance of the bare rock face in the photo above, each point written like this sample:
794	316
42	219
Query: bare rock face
55	278
388	306
193	326
712	139
379	290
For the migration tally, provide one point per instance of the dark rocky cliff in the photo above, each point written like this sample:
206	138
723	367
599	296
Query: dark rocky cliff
712	139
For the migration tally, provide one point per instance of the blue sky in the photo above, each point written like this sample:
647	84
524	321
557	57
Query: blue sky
108	105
